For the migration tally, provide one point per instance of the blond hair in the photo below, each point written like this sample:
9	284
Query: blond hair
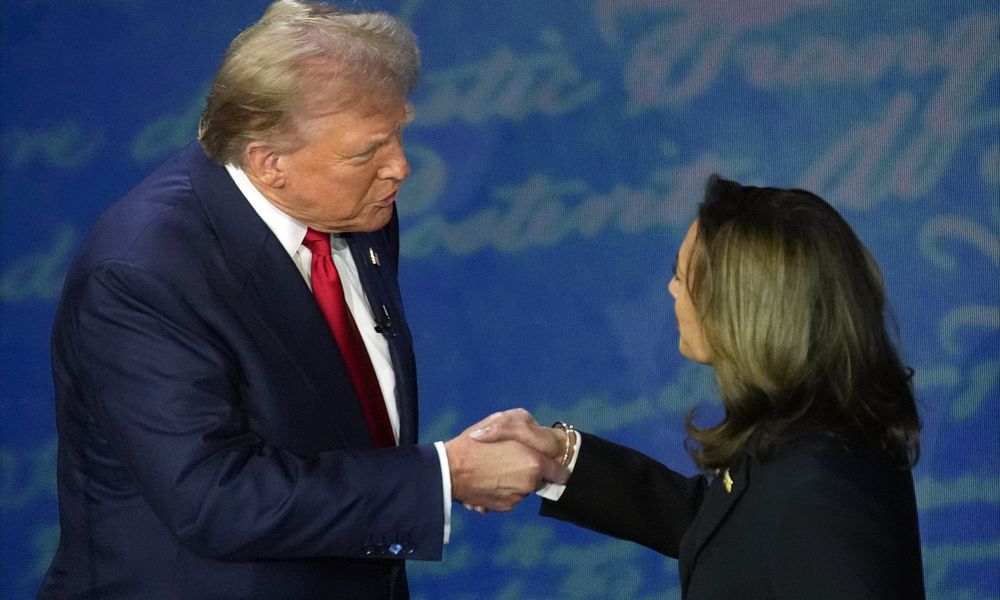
300	60
792	306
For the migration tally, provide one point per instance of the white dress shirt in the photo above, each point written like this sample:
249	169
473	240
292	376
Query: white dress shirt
290	233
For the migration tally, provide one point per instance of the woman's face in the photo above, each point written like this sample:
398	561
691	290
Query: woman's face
692	338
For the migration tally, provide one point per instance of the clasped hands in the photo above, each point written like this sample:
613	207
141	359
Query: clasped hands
503	458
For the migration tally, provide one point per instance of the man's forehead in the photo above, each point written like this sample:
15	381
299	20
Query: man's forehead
364	119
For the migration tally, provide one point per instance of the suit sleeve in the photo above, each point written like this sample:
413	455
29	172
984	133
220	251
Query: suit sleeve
164	391
625	494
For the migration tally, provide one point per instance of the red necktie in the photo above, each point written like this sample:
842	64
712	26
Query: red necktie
329	293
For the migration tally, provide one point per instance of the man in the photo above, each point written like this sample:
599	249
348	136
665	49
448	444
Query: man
235	386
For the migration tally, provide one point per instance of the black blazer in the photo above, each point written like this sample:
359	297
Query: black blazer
816	521
210	442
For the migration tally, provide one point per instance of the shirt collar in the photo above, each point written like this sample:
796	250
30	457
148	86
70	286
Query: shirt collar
289	230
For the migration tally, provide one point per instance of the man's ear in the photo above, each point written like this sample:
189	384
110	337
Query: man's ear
262	162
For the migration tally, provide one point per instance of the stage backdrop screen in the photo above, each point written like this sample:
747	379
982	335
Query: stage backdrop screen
559	150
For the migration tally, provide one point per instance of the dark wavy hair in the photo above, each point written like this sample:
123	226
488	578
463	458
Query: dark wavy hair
793	308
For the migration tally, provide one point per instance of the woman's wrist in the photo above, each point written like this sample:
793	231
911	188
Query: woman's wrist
568	442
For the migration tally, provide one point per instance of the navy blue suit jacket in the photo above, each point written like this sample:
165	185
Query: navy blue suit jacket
210	442
818	521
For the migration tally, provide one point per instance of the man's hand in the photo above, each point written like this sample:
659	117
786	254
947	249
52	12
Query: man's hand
496	476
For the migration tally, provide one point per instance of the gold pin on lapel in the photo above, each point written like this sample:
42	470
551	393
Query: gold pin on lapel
373	257
727	482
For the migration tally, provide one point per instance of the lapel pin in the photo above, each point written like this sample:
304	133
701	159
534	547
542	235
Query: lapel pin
727	481
373	256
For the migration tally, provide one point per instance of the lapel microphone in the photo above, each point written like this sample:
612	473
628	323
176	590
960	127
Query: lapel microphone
383	323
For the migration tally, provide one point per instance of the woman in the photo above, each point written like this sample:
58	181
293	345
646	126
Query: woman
808	492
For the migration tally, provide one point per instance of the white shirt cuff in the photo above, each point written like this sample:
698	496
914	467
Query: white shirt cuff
446	487
554	491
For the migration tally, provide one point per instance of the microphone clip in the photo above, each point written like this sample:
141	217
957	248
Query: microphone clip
383	324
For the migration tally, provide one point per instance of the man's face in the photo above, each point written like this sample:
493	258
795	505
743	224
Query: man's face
347	175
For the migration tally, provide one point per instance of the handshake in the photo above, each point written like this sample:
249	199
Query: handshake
498	461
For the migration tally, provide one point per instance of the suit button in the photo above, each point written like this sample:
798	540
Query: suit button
395	549
367	549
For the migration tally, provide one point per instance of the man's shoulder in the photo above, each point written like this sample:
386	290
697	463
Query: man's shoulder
157	220
171	183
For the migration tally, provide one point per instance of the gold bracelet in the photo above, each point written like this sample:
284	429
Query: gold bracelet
568	446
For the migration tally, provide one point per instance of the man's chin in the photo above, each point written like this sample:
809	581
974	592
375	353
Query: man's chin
379	219
367	223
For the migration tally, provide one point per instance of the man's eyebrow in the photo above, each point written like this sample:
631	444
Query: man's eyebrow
380	139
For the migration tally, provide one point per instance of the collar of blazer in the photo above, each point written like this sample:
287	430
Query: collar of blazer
274	287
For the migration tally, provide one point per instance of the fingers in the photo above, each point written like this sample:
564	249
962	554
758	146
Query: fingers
502	425
482	424
479	509
502	420
497	432
545	440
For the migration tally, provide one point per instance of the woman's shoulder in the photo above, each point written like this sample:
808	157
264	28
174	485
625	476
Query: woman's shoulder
832	510
810	460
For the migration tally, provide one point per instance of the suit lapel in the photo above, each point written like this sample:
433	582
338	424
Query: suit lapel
378	279
275	289
718	504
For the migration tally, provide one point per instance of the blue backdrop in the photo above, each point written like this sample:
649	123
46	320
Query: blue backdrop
558	153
